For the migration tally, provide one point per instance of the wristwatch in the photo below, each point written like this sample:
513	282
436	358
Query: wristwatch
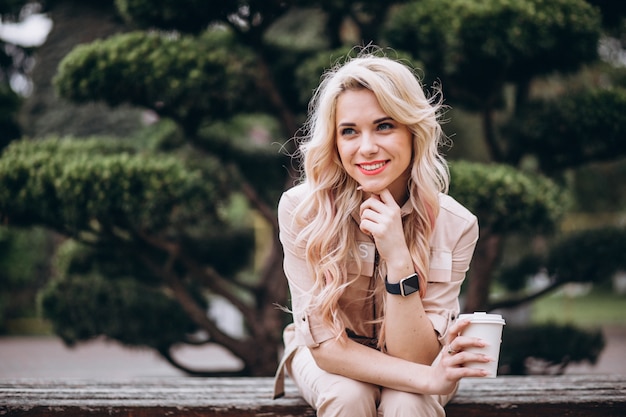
406	286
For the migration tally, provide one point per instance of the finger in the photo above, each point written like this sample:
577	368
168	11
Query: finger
465	372
464	358
373	204
387	198
456	329
464	342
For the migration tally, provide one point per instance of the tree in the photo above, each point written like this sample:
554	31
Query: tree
478	48
170	195
481	50
24	267
506	201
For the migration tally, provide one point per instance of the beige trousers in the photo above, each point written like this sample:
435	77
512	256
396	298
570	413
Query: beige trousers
337	396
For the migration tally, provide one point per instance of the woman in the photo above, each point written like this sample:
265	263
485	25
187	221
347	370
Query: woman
375	251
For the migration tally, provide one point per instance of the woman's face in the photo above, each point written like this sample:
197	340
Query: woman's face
374	149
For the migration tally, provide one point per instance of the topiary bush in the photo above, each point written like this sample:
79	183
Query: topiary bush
475	47
592	124
182	77
506	199
95	185
547	348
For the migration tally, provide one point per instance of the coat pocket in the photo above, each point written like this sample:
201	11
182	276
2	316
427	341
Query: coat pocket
440	266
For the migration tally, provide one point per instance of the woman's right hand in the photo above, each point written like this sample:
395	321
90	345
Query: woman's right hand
451	366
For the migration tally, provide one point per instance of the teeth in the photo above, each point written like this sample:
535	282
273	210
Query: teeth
373	166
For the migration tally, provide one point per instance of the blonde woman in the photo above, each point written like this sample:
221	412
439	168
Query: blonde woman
375	251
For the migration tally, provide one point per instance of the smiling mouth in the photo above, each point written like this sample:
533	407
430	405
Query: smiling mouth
372	168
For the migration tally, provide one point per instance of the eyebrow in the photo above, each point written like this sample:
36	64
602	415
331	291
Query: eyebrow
375	122
382	119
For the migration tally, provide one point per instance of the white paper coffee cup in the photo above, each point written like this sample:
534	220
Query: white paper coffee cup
489	328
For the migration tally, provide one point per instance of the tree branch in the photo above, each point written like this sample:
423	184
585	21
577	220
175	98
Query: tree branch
257	202
206	274
490	136
195	312
517	301
166	354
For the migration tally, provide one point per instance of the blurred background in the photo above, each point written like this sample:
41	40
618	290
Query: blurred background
145	145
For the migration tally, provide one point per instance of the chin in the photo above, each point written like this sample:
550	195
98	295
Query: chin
371	190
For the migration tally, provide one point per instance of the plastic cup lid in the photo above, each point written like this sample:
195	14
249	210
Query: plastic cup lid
482	317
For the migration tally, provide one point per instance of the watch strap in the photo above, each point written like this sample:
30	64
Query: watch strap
406	286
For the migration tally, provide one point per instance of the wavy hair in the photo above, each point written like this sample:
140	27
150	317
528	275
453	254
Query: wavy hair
333	194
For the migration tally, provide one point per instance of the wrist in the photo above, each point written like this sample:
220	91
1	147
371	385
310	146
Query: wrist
405	287
398	269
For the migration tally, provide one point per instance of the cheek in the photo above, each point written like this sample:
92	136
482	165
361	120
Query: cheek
343	154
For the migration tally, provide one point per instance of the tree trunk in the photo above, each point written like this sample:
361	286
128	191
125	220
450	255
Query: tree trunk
486	257
272	318
495	153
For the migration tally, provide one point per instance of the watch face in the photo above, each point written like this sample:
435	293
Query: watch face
410	285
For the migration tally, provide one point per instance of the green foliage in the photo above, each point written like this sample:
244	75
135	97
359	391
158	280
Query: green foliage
83	307
182	77
192	16
600	189
309	72
585	256
601	306
571	130
60	184
515	277
547	348
506	199
103	291
75	259
589	256
169	14
477	46
23	266
22	253
248	141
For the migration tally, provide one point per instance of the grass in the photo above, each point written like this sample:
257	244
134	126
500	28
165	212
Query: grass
30	326
597	308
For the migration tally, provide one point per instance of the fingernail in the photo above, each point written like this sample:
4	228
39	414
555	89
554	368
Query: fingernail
359	188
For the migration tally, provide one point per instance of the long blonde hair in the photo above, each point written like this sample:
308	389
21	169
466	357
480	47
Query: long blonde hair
325	214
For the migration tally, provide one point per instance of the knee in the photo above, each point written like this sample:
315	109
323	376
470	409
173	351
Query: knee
348	397
398	404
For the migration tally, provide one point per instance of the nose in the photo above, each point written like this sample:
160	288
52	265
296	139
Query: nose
368	145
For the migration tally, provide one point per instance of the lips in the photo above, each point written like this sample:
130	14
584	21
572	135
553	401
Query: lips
372	168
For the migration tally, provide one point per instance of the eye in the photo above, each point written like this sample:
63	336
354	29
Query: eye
347	131
385	126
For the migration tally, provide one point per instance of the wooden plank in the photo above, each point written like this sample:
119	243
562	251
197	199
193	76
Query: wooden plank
160	397
575	396
541	396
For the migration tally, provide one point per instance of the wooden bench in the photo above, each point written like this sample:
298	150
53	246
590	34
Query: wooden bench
553	396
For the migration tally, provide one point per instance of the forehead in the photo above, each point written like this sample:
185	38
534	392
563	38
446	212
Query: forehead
358	105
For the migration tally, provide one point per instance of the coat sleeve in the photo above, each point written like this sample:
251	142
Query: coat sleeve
452	247
310	330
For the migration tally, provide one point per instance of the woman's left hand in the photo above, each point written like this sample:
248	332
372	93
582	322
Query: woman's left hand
454	358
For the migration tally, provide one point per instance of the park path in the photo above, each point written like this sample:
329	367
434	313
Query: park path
48	357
